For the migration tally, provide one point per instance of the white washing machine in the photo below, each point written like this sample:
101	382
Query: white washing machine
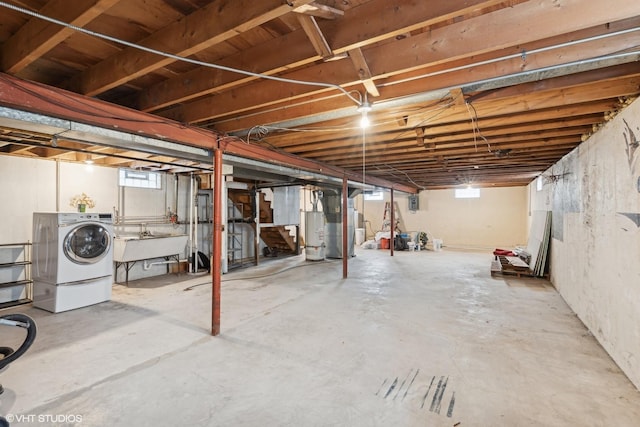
72	259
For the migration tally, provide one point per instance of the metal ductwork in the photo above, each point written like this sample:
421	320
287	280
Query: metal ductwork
332	208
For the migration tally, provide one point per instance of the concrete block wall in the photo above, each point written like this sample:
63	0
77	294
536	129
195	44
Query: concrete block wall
594	193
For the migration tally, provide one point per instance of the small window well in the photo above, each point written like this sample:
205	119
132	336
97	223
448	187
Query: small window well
140	179
373	195
467	193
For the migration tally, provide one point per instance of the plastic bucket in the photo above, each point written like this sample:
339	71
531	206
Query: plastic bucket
384	243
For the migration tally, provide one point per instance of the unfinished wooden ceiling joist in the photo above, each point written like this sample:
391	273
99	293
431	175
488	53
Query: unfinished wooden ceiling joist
489	91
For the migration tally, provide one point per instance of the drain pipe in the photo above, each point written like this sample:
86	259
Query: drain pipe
147	265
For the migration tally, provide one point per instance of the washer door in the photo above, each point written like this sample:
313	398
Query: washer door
87	243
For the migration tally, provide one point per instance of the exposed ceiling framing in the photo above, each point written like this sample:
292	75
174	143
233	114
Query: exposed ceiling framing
483	92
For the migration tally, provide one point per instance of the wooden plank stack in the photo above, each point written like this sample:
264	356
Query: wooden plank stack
537	250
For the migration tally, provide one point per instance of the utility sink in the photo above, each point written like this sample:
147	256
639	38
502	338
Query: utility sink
129	248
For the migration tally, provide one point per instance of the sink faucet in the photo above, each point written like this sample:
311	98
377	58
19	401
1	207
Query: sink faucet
143	231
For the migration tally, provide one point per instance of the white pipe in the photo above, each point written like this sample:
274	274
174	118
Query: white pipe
57	185
147	265
176	181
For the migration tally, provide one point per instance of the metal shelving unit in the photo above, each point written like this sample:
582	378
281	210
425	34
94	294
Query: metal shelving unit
235	234
16	285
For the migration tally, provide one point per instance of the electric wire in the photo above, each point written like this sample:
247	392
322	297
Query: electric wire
178	57
261	132
477	126
347	128
438	111
473	126
392	169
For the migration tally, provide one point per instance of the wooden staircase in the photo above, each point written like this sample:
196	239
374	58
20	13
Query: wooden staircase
275	237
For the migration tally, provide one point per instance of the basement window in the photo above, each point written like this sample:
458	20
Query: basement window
140	179
467	193
373	195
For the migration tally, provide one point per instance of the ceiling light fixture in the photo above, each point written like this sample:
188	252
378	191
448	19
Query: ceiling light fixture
364	121
364	108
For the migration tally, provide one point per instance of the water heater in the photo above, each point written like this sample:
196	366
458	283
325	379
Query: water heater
314	247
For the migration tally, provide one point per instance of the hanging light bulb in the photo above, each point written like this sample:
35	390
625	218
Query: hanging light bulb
364	108
364	121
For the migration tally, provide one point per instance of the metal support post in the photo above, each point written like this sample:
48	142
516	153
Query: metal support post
345	238
216	271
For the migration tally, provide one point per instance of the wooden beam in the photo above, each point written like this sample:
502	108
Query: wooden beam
461	40
345	149
412	154
265	93
517	25
625	85
560	115
289	51
211	25
457	96
38	37
319	10
457	147
420	136
392	131
364	74
313	32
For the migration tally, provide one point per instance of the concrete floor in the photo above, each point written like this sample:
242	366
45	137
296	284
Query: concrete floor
391	345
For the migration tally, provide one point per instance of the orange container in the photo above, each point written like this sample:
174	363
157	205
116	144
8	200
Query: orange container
384	243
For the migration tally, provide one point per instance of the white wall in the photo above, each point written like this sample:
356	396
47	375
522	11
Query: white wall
99	183
29	185
35	185
595	249
497	219
26	186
